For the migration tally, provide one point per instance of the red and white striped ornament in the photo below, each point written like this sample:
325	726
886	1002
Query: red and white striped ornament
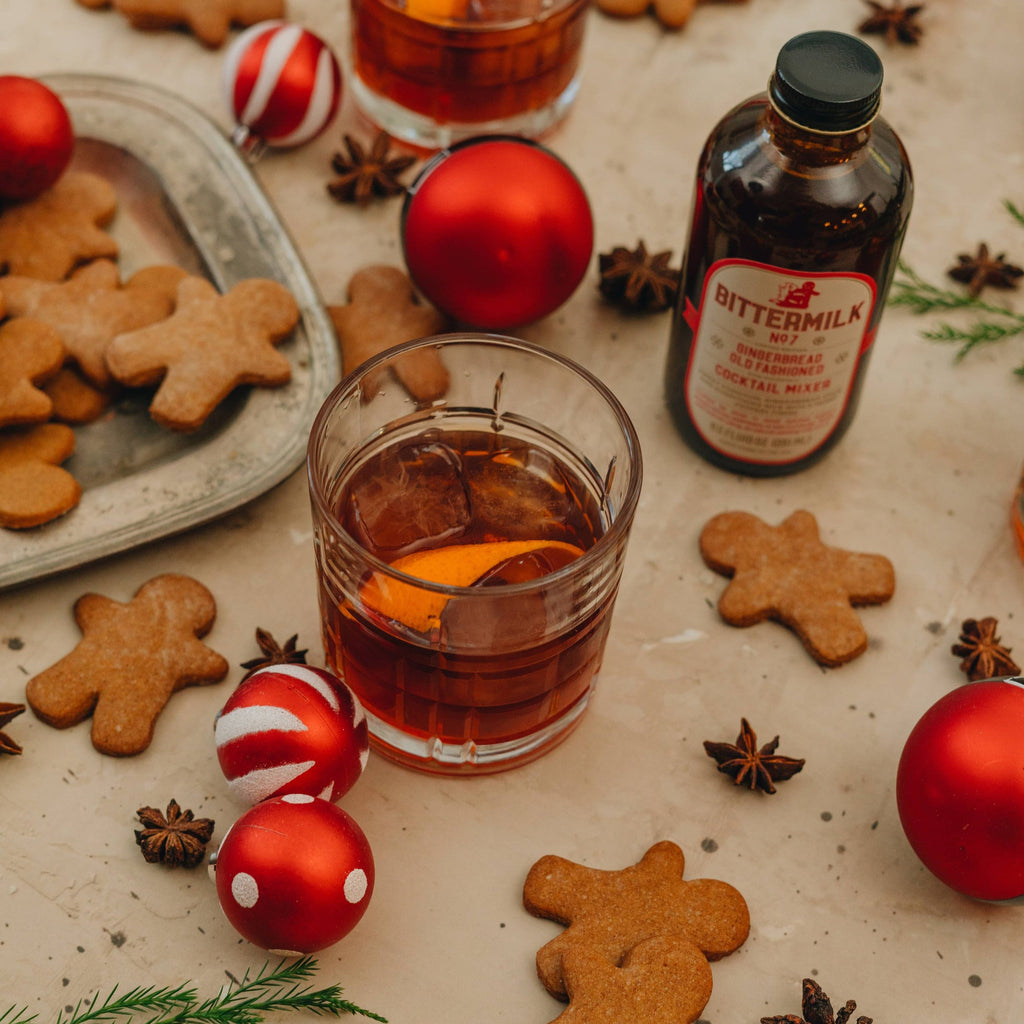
291	729
283	86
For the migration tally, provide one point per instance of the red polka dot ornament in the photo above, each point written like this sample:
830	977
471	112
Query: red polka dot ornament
497	232
294	874
291	729
960	789
37	139
283	86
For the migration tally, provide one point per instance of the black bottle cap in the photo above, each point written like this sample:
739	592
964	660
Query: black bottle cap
827	82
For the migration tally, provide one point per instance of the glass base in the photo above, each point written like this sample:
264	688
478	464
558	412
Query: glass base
423	132
436	757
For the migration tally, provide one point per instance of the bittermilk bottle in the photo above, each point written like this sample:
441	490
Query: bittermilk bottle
801	204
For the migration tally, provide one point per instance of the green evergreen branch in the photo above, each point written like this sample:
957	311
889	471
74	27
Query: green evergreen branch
271	989
15	1016
991	322
1015	212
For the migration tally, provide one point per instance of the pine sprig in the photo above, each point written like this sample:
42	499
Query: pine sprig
270	989
991	323
15	1016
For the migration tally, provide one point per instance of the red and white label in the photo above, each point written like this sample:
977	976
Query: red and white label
774	356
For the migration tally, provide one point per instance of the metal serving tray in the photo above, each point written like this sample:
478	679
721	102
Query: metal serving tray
185	197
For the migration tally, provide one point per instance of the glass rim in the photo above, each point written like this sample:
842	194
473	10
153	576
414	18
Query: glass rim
613	535
506	25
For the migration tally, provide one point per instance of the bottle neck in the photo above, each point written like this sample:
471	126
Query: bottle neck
813	148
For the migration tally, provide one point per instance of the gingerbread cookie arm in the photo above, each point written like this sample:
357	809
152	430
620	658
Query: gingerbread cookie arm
867	579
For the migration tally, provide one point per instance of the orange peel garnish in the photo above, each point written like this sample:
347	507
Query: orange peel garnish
437	10
459	565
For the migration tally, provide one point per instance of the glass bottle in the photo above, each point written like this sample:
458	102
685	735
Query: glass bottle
801	204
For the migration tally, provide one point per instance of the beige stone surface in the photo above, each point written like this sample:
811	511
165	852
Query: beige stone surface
925	476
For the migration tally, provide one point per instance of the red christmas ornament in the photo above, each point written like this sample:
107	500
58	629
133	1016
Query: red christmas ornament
291	729
36	137
960	789
497	232
294	874
283	86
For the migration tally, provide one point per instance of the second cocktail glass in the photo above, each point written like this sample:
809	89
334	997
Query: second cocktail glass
434	72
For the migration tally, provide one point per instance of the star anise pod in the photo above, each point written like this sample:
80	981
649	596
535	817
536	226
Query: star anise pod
984	657
363	175
272	653
817	1009
897	23
759	769
981	270
173	839
8	712
638	280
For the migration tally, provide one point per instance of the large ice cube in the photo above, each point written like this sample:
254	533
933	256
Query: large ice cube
520	493
410	497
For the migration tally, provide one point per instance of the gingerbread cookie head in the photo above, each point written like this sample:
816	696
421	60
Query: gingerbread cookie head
131	659
383	311
34	488
52	234
664	979
611	912
786	573
210	345
30	354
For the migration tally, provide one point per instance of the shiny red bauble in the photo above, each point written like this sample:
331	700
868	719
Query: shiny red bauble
294	874
282	84
497	232
960	789
36	137
291	729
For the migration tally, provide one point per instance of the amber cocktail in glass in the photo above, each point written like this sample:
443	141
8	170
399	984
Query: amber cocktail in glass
433	72
469	552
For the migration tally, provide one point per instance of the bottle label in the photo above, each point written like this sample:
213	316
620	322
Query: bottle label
774	357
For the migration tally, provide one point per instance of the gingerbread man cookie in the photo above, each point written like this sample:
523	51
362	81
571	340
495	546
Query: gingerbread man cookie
209	345
672	14
611	912
30	354
665	979
131	658
47	237
33	487
208	20
91	307
382	312
786	573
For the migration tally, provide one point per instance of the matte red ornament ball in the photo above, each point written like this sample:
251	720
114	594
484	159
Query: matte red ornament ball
960	789
37	139
294	874
497	232
291	729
